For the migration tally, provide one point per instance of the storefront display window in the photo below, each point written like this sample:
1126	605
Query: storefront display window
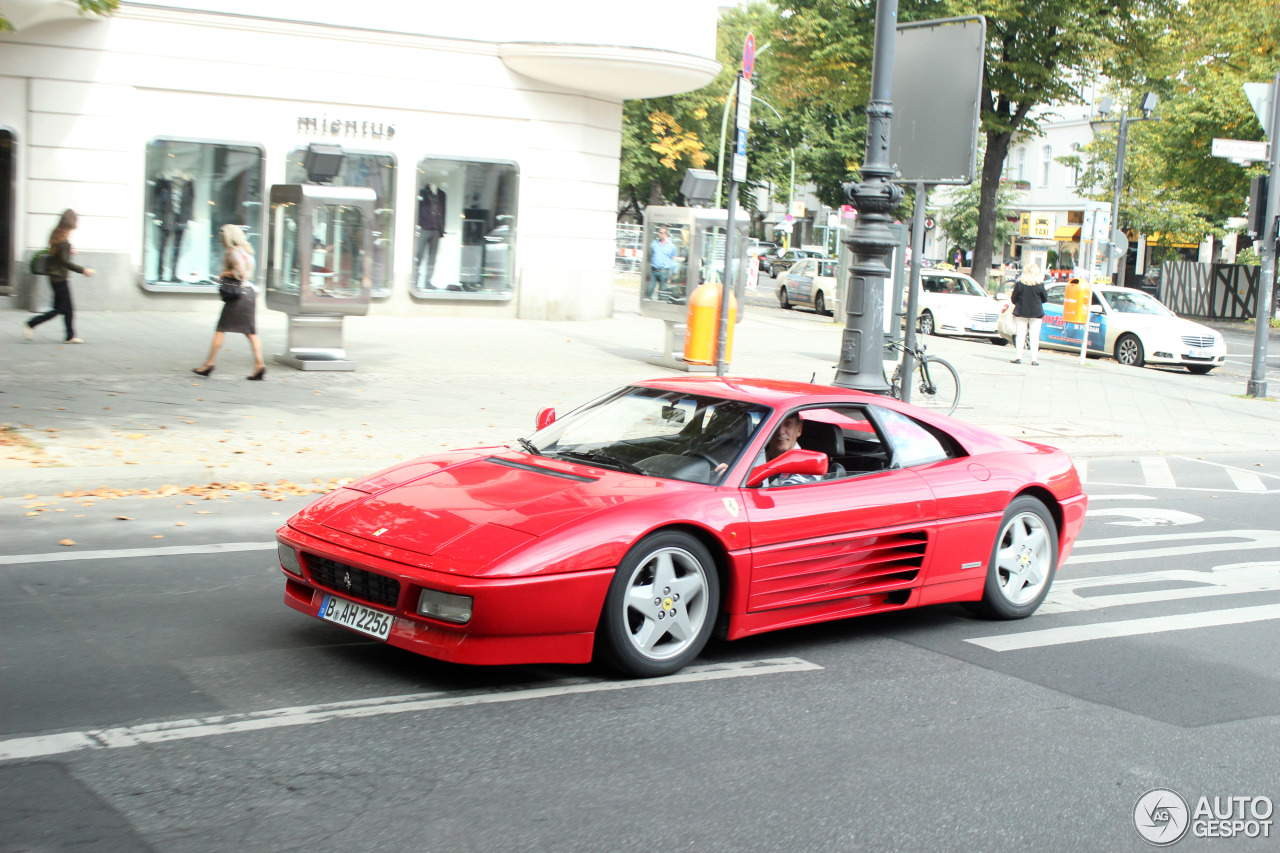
464	229
378	173
193	189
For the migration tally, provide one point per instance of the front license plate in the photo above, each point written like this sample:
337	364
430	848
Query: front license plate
357	617
983	327
1200	353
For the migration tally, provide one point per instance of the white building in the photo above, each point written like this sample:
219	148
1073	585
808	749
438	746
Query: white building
490	133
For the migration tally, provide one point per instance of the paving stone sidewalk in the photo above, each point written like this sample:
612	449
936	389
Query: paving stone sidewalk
123	410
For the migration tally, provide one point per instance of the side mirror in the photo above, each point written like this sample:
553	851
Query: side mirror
794	461
546	417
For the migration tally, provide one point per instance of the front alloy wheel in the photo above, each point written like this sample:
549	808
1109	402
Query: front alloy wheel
1023	561
1129	351
661	606
925	324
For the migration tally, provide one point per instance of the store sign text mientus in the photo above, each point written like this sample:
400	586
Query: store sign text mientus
346	128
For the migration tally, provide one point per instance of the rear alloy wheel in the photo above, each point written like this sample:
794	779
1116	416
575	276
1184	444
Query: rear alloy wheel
1023	562
782	298
661	606
820	303
925	323
1129	351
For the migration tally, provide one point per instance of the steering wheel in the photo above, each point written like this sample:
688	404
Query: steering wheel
711	460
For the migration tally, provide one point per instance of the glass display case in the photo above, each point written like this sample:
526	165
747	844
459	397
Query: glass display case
318	270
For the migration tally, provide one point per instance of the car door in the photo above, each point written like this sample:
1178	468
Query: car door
800	282
835	547
1055	333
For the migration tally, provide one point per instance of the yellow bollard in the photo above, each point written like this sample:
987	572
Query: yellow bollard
702	323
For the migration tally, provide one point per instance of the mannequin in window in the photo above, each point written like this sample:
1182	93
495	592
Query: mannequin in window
431	213
172	202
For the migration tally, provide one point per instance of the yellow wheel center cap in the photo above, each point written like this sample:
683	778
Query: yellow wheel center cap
666	603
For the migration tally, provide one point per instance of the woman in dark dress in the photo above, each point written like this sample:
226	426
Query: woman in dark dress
60	264
238	315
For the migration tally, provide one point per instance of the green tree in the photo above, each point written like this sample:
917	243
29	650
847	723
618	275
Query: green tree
962	222
94	7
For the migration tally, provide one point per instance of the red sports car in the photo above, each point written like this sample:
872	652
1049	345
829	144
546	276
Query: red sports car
631	528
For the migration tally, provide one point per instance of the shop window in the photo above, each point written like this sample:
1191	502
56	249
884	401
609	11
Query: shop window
378	173
193	189
464	229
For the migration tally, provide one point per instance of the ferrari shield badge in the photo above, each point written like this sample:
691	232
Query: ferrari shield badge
731	504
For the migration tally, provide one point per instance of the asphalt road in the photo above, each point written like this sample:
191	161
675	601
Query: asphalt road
160	696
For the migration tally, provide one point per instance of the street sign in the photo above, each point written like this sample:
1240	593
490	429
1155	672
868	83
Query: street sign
1259	95
744	103
928	223
1119	243
1240	149
797	208
749	55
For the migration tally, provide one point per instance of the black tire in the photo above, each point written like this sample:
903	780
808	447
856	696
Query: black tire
1000	342
820	303
773	271
1129	351
661	632
1024	560
782	298
924	324
941	392
1199	369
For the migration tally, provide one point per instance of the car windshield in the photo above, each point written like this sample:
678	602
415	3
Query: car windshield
1134	302
654	432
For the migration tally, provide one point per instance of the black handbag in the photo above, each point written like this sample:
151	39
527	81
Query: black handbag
230	289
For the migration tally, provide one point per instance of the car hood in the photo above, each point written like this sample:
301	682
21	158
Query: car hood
1175	327
961	302
487	505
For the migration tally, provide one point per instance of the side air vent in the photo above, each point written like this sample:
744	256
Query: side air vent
825	571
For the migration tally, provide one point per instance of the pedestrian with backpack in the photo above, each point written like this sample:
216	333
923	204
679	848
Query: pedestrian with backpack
58	267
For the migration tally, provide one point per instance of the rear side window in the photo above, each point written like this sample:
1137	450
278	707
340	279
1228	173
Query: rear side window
912	443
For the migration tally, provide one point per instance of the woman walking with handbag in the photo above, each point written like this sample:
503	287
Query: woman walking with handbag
238	311
1027	300
60	265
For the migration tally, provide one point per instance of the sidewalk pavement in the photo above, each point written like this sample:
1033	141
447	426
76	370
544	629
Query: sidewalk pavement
124	411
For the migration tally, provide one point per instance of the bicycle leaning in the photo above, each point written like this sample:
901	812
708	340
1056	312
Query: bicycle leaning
935	384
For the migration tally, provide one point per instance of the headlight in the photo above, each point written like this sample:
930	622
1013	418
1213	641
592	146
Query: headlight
445	606
289	559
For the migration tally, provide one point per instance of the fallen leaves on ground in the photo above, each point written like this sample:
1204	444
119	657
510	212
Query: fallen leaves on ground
276	491
66	542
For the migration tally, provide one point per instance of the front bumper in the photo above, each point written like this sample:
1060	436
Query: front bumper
518	620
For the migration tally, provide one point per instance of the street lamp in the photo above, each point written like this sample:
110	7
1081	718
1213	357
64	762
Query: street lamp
1146	105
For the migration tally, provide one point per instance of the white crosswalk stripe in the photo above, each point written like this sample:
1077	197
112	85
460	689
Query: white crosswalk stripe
1246	481
1156	471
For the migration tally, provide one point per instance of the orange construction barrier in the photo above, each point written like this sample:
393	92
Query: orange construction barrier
702	323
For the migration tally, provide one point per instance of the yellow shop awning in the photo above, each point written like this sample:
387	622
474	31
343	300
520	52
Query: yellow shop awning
1069	233
1158	239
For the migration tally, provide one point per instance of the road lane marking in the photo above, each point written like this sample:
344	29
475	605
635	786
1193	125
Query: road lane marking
1126	628
1155	470
1244	540
61	743
1093	498
1246	481
1234	579
1146	516
166	551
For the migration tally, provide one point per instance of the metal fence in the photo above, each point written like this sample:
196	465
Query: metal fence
630	249
1215	291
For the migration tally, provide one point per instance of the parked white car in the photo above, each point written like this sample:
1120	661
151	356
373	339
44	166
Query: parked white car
1134	328
812	282
952	303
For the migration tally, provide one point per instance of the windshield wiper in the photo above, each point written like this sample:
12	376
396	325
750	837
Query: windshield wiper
528	446
600	458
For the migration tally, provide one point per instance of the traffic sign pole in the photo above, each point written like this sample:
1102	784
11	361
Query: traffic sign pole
737	172
1262	317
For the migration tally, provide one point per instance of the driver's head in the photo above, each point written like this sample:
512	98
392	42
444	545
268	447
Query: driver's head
784	438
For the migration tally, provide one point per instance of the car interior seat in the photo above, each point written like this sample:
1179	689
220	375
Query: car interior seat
824	438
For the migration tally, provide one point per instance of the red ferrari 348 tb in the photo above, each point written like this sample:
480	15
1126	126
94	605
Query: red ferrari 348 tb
636	525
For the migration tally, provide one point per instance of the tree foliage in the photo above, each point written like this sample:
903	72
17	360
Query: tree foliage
87	7
961	222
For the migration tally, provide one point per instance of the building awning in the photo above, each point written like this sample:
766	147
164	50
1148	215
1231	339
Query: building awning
1068	233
